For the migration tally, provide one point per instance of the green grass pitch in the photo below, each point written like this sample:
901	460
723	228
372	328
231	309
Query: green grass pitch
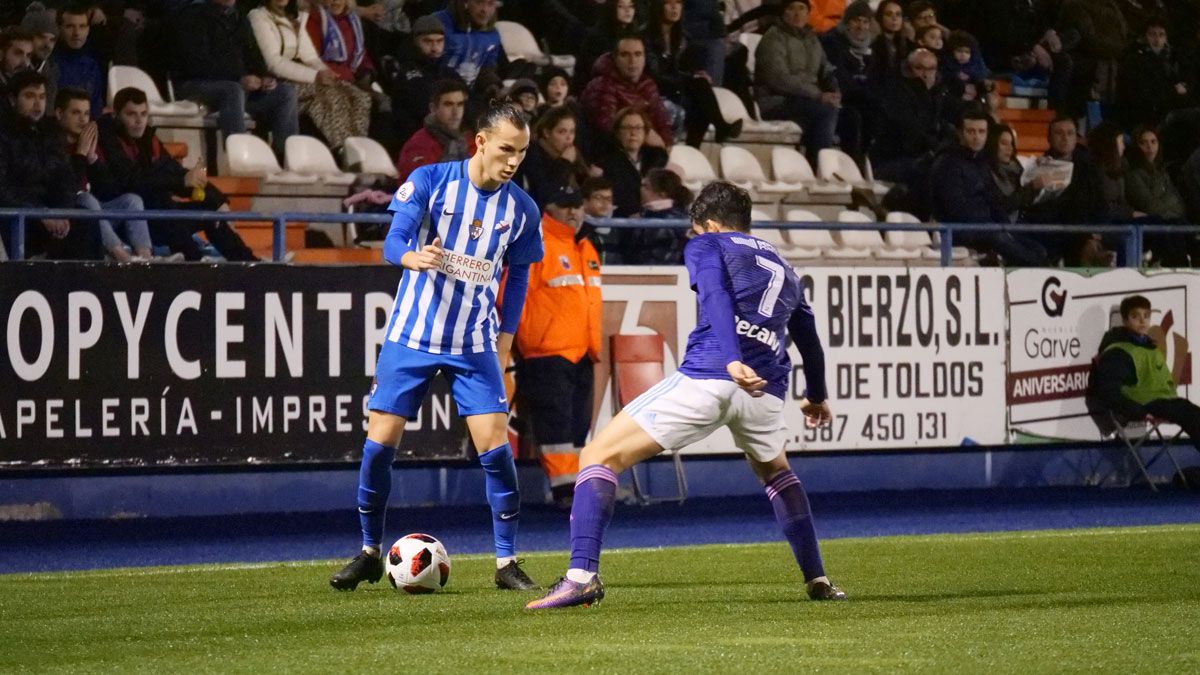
1115	600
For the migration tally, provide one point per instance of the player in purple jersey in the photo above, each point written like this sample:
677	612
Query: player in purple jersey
456	226
734	374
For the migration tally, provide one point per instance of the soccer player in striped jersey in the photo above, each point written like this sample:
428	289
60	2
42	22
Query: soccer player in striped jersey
734	374
455	226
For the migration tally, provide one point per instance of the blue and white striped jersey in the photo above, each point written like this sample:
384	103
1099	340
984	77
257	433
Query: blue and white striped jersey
452	309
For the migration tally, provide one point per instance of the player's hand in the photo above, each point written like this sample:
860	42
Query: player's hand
745	377
428	258
816	414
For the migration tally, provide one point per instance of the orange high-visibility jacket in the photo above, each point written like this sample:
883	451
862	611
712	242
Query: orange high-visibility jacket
826	14
563	306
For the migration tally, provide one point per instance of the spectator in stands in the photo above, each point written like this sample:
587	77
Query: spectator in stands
337	33
1150	190
41	24
1152	81
848	47
472	42
16	50
1131	378
219	64
618	19
598	203
826	14
923	14
704	25
140	164
555	86
1101	31
386	26
96	189
1081	203
963	70
337	108
962	190
524	92
1001	152
931	38
892	46
621	82
1019	35
553	160
77	66
663	196
680	78
794	80
411	76
916	119
35	173
442	138
633	158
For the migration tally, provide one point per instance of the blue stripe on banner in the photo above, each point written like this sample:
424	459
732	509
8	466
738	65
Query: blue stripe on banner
653	394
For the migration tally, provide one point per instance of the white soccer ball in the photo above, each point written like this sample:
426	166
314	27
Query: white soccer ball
418	563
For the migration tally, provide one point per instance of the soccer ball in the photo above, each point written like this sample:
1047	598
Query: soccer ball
418	563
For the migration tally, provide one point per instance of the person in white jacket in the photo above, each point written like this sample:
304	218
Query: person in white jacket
337	108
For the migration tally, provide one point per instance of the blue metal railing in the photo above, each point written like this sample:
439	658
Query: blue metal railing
1132	234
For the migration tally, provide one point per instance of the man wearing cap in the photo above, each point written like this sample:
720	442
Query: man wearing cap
39	22
524	92
410	76
558	341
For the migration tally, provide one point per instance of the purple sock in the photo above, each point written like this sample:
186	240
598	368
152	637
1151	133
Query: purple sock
595	493
794	516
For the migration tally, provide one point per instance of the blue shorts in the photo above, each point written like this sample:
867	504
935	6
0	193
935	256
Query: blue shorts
403	376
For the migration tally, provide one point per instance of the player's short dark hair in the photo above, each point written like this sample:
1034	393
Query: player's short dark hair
68	94
126	96
594	184
500	110
1133	302
26	79
724	203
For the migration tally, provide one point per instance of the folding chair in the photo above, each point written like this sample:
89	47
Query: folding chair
1135	435
637	365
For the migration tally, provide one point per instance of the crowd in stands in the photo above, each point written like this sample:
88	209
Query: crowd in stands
908	85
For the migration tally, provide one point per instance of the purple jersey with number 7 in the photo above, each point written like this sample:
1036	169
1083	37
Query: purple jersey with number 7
768	305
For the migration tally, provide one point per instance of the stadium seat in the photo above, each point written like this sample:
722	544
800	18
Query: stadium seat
791	167
519	43
856	243
120	77
250	155
733	109
808	244
697	172
308	155
751	41
775	237
366	155
922	241
835	166
637	365
741	167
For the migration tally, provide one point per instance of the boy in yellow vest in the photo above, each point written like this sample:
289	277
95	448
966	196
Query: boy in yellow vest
1132	378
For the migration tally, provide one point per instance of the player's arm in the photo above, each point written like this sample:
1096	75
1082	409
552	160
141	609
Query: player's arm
525	250
802	327
408	208
703	260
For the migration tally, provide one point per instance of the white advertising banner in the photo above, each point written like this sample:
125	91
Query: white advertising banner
914	356
1057	319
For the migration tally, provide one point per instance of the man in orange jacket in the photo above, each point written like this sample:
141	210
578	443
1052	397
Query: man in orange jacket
558	340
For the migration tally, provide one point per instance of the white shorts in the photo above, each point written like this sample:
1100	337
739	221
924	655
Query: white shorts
680	411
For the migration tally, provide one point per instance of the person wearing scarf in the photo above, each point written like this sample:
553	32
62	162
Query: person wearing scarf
337	32
442	138
848	46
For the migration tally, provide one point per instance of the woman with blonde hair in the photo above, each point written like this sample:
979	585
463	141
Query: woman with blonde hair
337	108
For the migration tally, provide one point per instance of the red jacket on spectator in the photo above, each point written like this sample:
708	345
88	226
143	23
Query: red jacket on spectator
422	148
607	93
346	25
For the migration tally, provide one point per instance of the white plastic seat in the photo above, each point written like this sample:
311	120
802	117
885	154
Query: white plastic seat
697	172
733	109
856	243
740	166
250	155
835	166
808	244
120	77
926	242
307	155
519	43
751	41
792	168
366	155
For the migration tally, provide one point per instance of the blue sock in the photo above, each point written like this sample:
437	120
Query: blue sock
500	481
374	486
595	494
795	517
